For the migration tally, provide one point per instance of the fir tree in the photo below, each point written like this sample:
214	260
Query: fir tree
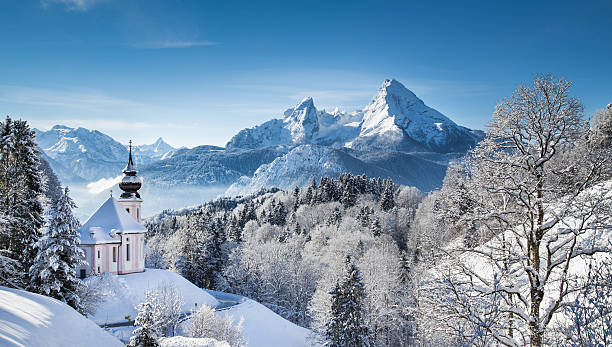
347	325
334	327
387	202
145	334
20	190
349	192
375	227
58	256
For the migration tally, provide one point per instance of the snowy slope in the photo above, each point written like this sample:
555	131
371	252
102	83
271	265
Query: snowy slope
127	291
28	319
262	327
305	162
181	341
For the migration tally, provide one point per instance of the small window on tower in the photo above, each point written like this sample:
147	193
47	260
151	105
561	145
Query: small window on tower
128	210
137	213
127	252
114	254
98	254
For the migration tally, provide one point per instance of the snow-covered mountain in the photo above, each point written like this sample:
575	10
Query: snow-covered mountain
396	135
87	155
158	150
305	162
395	119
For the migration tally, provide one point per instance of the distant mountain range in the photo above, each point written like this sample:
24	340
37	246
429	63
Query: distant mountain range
396	135
82	155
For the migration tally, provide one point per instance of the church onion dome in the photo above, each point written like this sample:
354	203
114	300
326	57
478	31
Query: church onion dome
130	182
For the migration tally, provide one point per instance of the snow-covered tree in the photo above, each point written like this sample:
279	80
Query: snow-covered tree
205	323
20	192
347	326
387	202
58	256
540	198
146	333
588	321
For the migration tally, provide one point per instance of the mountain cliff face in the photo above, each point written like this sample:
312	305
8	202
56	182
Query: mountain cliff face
395	119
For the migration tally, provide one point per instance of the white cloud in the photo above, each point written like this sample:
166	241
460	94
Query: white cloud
73	5
172	44
103	184
58	98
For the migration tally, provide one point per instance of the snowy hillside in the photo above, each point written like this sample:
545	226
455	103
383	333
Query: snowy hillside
28	319
301	164
262	327
124	292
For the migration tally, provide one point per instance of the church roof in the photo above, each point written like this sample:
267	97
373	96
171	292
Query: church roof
110	219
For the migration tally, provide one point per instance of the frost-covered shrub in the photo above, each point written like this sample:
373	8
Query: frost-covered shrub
204	323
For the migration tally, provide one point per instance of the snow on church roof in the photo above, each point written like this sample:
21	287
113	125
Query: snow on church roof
111	218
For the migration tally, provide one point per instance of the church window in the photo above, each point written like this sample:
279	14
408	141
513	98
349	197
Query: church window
98	254
127	252
114	254
128	210
98	269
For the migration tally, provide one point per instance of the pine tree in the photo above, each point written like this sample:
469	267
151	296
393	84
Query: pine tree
296	197
334	327
145	334
58	256
347	325
387	202
375	227
20	190
349	192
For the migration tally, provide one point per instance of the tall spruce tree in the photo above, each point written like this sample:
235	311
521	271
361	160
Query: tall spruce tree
387	202
58	256
21	210
347	323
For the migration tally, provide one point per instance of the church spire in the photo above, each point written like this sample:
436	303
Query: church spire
130	169
130	182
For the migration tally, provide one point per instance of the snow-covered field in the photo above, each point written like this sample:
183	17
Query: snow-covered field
28	319
262	327
129	291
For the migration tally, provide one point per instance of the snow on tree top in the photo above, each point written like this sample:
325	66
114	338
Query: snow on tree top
110	218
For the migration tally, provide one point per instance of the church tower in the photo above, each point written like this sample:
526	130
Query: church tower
130	198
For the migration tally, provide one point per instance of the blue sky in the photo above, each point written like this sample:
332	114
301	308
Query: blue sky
196	72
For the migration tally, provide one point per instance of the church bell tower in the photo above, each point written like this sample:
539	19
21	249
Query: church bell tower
130	198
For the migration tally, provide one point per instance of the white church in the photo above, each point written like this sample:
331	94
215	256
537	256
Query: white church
113	238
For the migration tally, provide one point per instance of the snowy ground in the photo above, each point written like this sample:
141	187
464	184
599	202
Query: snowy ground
28	319
129	291
262	327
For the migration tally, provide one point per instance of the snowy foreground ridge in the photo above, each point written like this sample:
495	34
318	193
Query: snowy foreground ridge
28	319
125	292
